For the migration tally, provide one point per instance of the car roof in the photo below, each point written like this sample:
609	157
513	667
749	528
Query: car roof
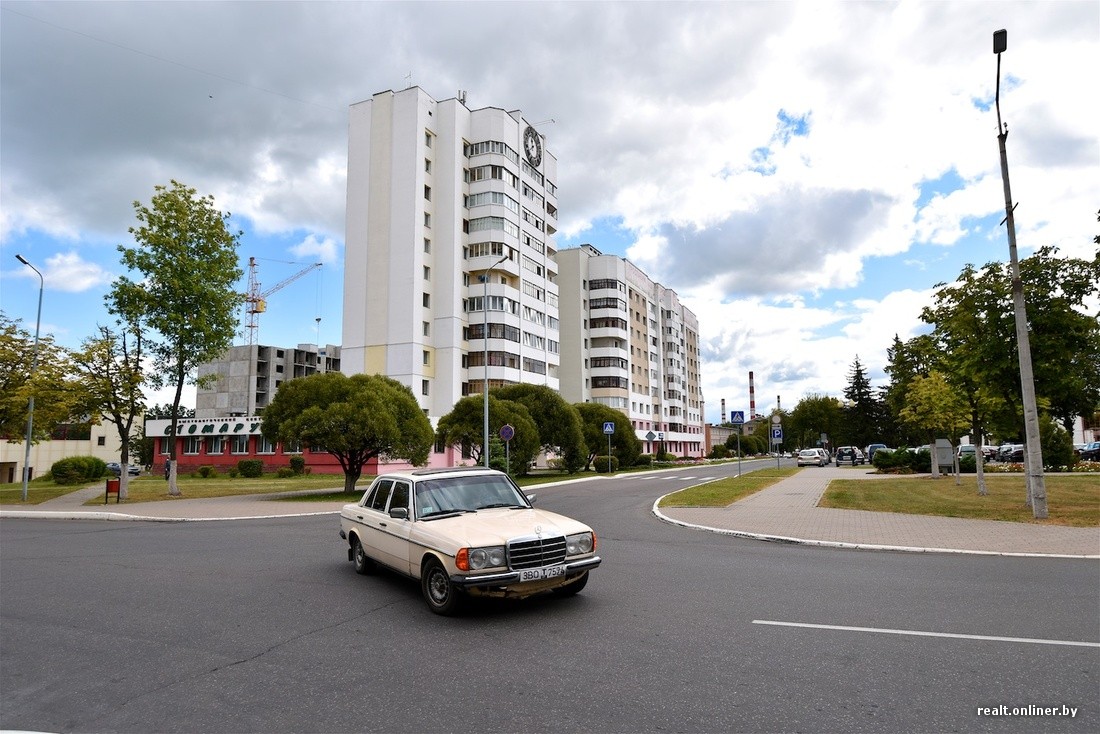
417	474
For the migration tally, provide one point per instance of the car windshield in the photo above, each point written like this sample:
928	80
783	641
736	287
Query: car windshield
436	497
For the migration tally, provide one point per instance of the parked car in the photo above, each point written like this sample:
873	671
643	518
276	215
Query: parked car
850	455
466	532
968	449
872	448
115	468
1091	452
812	457
1010	452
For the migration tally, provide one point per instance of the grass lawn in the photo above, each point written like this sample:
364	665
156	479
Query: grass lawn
1072	500
722	492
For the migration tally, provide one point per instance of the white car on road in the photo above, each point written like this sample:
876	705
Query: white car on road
466	532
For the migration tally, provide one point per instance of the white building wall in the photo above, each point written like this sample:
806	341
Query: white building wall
407	184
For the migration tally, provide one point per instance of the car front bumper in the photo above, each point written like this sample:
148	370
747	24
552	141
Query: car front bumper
508	578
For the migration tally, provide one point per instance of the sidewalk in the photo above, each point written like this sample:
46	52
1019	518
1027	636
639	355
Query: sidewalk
785	512
788	512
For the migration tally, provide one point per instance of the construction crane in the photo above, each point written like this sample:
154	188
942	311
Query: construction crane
256	302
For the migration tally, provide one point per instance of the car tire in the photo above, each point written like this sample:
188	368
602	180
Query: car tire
573	587
441	595
364	565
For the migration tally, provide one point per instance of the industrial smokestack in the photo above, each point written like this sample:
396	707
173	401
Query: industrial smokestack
723	410
777	408
752	398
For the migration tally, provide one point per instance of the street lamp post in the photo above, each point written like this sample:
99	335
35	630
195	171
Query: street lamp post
1036	484
34	367
485	366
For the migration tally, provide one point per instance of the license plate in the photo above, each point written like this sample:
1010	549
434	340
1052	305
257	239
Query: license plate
537	574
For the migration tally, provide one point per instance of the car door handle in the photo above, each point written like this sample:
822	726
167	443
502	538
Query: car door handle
359	516
381	524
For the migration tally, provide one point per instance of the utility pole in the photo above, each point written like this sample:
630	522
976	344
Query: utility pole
1036	483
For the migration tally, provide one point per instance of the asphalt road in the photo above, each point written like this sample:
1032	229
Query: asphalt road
263	626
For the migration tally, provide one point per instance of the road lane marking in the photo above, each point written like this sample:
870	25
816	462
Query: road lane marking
920	633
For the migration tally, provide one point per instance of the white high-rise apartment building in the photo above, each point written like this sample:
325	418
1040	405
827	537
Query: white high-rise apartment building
627	342
450	219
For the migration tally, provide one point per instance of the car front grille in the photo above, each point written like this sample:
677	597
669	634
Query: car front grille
536	552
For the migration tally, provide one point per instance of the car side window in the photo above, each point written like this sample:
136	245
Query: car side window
381	495
400	495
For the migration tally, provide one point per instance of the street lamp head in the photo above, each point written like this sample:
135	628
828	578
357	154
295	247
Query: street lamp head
1000	41
21	259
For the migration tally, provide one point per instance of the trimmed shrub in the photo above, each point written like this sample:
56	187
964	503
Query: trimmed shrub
285	472
207	471
601	464
644	460
77	469
250	468
298	464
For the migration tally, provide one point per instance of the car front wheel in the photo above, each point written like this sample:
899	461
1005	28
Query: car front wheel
441	595
573	587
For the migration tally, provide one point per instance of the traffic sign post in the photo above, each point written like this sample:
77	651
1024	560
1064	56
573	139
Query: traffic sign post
777	437
507	433
609	429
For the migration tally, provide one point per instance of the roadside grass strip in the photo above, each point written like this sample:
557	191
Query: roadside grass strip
1072	500
722	492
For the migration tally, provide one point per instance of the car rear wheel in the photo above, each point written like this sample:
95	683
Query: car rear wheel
363	563
441	595
573	586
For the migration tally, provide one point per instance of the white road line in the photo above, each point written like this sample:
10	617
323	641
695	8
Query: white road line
919	633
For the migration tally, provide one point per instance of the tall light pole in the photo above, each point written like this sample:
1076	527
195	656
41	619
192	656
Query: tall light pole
34	367
485	366
1036	484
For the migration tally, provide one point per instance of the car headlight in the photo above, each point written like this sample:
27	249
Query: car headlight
490	557
580	543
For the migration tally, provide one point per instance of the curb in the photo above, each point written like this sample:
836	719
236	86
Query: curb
851	546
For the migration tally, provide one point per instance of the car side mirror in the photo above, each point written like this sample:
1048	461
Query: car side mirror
399	513
530	497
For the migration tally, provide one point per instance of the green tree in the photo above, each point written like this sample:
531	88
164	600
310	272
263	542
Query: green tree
813	416
905	362
974	323
356	419
110	367
862	412
186	299
558	423
58	395
625	446
935	408
465	426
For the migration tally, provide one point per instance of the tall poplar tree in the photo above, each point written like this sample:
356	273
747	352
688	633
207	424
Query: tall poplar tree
186	299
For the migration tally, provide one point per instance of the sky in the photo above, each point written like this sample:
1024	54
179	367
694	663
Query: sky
803	175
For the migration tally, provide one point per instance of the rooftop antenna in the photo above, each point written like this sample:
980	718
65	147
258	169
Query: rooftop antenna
462	96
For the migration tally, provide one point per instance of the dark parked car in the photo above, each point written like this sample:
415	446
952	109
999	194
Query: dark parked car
115	468
1091	452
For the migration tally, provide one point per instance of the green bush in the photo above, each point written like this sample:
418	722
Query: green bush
644	460
207	471
77	469
968	465
233	472
1057	446
250	468
285	472
298	464
601	464
664	457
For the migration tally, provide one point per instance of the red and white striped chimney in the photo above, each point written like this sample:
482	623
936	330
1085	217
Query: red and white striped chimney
752	398
723	410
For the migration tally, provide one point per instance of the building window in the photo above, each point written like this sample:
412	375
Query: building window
192	444
427	165
101	441
427	220
427	273
426	357
239	445
264	446
427	245
215	445
427	139
427	327
428	193
424	386
427	300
